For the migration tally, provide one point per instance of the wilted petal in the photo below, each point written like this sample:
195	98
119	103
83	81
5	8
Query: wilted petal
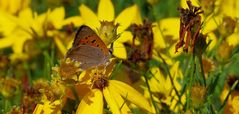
131	94
125	18
106	10
114	108
89	17
92	103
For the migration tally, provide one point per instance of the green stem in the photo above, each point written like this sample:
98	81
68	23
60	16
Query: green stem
150	93
229	93
202	70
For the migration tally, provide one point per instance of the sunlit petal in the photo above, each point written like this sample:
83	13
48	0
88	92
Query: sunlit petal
76	20
125	18
119	50
233	39
184	3
126	36
92	103
119	100
114	108
106	10
89	17
56	17
60	46
158	37
131	94
6	42
48	108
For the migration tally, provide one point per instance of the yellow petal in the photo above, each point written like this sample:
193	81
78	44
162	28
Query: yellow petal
119	100
158	37
6	42
76	20
184	3
114	108
25	19
131	94
211	23
48	107
233	39
170	26
119	50
106	10
92	103
7	23
137	19
60	46
89	17
230	8
125	18
57	16
126	36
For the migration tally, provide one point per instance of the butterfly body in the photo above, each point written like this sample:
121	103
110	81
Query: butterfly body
88	49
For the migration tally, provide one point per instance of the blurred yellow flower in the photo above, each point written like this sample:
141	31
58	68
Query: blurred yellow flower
162	85
106	13
16	30
14	6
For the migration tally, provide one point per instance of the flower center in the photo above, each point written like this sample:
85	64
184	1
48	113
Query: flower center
100	81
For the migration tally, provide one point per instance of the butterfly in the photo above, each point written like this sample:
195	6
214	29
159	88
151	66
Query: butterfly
88	49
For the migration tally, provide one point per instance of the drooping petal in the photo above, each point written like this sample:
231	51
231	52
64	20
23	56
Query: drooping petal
131	94
89	17
60	46
92	103
126	17
106	10
119	100
114	108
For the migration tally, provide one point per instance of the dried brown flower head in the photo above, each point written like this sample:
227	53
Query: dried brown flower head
190	24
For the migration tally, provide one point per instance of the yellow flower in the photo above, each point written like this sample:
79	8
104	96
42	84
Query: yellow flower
162	85
48	107
106	13
114	92
29	25
233	101
13	6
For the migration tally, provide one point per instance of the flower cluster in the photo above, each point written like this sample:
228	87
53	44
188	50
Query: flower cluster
120	57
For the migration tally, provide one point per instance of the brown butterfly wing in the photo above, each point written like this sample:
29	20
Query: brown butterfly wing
88	56
86	36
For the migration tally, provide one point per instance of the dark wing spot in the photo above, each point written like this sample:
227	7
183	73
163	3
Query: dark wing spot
97	45
93	41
